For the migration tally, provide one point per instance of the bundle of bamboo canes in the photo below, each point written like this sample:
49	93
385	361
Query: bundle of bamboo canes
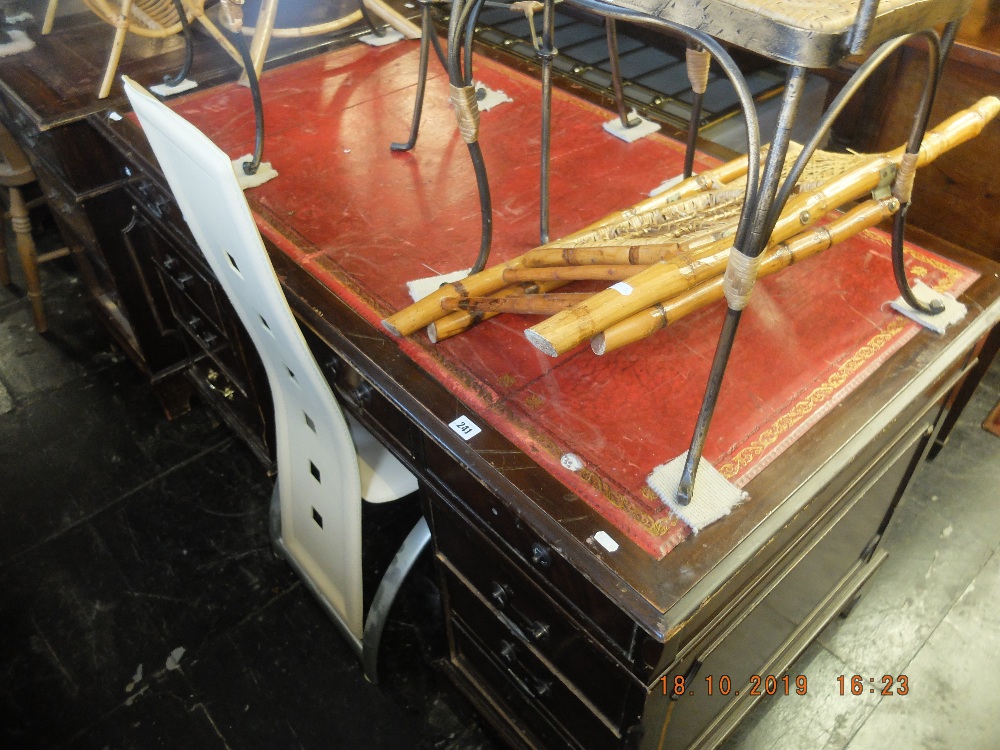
667	254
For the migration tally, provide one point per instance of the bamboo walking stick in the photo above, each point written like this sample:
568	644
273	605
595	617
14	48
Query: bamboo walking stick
520	304
573	273
667	312
458	322
565	330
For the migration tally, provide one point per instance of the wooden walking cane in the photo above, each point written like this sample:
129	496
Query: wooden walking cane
457	322
519	304
567	329
669	311
678	264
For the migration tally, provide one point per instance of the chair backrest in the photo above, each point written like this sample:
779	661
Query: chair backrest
318	480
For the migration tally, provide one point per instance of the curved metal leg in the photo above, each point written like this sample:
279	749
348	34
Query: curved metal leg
188	47
611	29
426	32
251	167
400	566
937	53
464	14
749	245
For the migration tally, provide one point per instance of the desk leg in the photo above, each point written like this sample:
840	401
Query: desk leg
987	352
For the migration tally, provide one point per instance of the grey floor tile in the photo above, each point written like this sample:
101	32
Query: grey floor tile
821	718
954	682
930	563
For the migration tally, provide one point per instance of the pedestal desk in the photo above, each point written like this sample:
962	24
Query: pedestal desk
560	637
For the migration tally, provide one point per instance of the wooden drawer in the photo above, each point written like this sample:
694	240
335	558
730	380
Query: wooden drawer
782	613
160	206
65	209
549	707
184	279
482	583
83	161
543	562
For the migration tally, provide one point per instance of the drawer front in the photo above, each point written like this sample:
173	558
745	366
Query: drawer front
158	204
482	584
741	645
549	707
543	562
65	209
83	160
182	279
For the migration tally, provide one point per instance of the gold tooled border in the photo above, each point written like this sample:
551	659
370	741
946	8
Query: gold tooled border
823	392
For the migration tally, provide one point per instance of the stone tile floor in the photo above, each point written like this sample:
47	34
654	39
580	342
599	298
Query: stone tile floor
141	605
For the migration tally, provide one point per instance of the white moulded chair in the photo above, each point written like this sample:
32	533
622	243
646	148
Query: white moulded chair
325	465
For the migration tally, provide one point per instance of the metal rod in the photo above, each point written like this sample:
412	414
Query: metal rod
251	167
470	32
181	74
751	246
852	86
936	52
426	29
611	29
725	61
692	134
546	53
694	124
376	30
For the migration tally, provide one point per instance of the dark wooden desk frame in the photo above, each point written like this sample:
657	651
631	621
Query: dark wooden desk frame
559	642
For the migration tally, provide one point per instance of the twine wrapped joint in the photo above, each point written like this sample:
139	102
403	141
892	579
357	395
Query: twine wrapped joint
902	188
698	63
463	101
741	273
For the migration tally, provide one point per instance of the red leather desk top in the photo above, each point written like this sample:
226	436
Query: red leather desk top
364	221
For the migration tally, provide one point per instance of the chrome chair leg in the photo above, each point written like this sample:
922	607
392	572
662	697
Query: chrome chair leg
378	614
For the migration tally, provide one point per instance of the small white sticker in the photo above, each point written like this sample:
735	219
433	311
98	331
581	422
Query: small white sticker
114	116
605	540
622	288
465	427
571	461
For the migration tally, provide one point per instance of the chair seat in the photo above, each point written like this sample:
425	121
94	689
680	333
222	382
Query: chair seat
809	33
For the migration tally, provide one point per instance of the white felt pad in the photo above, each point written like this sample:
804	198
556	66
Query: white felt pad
163	89
391	36
19	42
264	173
641	129
489	98
713	497
953	311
